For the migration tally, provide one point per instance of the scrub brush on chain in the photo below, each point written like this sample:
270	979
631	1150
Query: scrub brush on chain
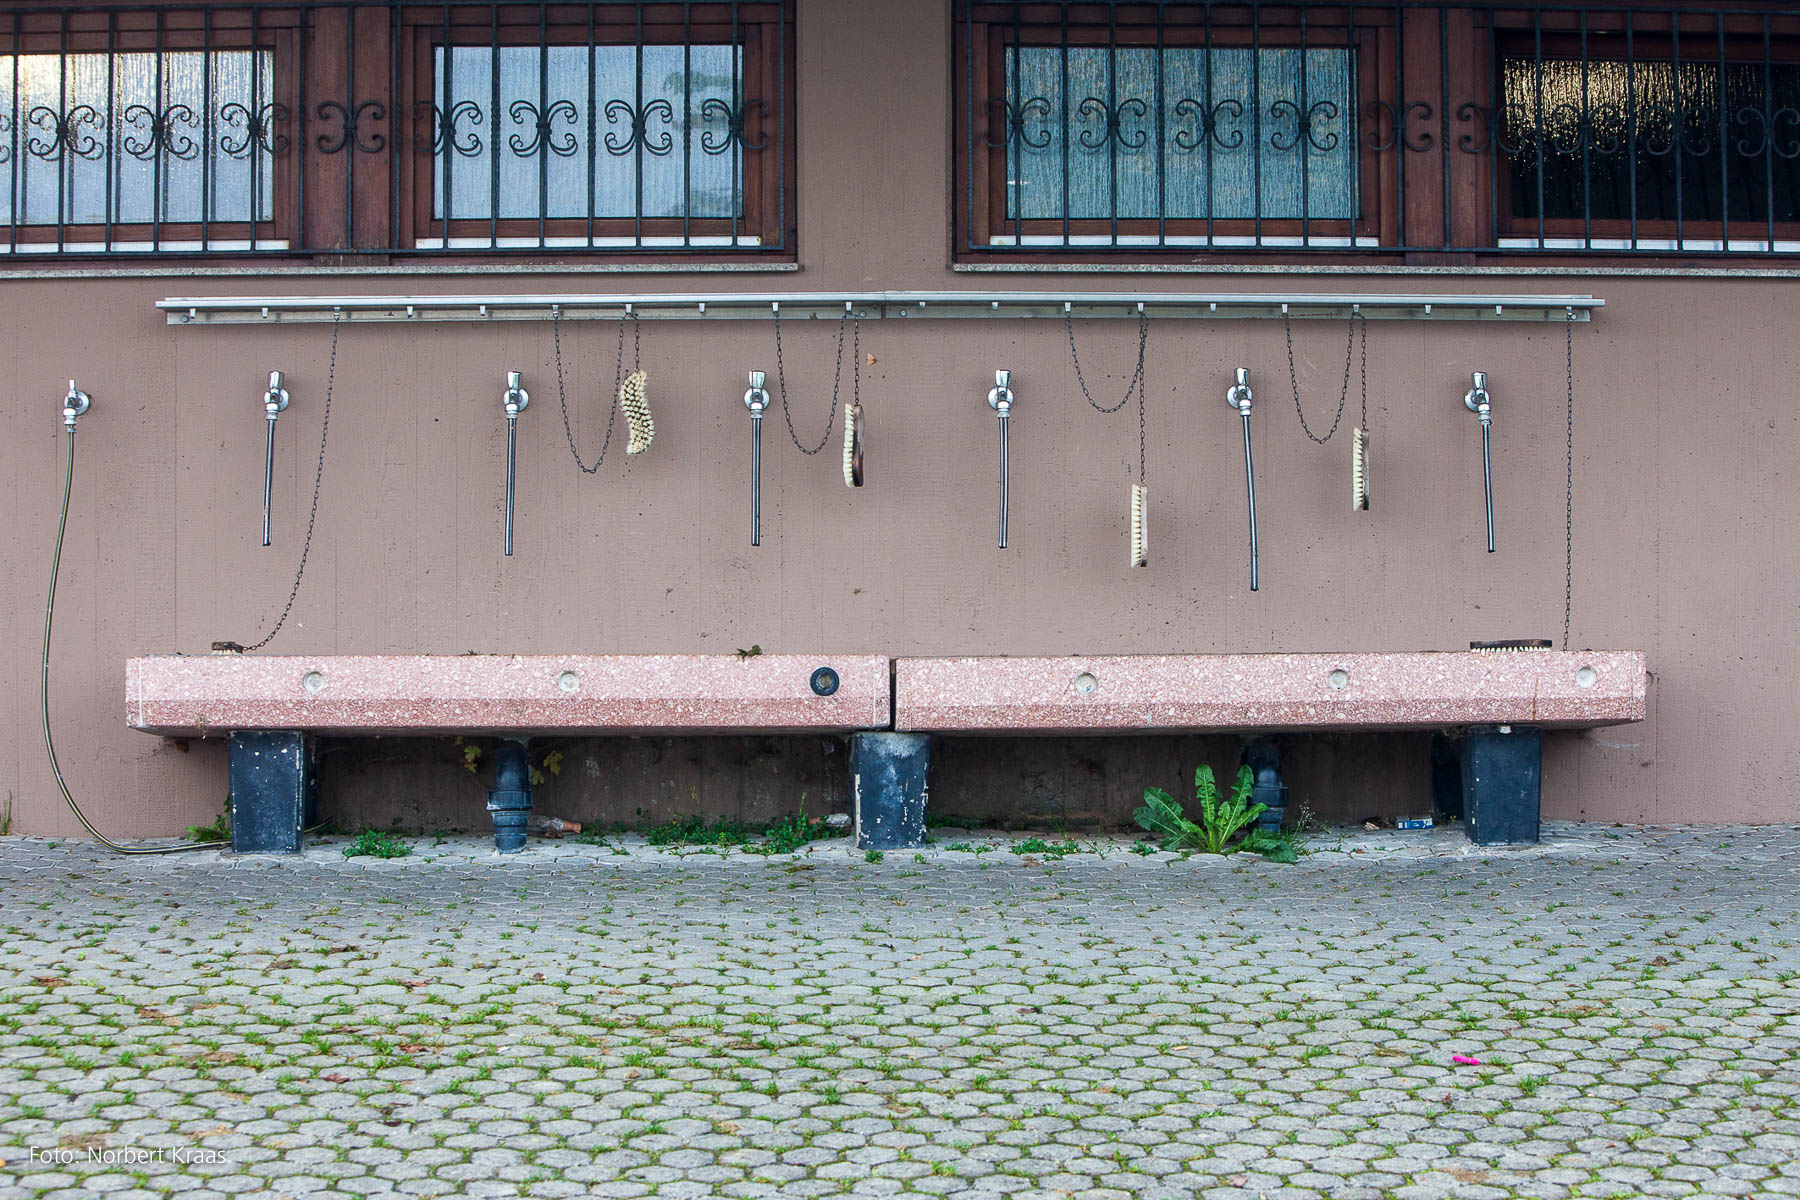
635	404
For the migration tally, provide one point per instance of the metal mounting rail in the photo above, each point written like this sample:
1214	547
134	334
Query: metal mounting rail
741	306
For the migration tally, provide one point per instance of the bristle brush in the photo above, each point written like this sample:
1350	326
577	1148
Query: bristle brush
1359	470
853	446
635	404
1140	533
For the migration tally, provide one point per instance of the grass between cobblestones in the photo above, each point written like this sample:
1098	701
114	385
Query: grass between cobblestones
1073	1019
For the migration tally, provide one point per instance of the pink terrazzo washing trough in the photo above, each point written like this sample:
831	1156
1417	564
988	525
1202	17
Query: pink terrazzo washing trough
1429	690
504	693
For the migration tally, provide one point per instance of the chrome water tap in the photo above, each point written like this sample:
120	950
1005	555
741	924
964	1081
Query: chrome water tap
1000	399
274	402
74	404
1478	401
513	401
1239	397
756	399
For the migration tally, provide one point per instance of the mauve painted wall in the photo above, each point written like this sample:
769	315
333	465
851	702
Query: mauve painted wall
1685	424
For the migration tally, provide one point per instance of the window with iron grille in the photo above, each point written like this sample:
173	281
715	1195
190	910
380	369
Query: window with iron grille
134	131
1347	131
345	127
1653	149
649	127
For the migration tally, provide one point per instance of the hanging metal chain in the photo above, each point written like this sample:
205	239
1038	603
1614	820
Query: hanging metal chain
1364	426
855	364
1569	479
318	476
1142	437
1137	378
612	408
836	377
1287	326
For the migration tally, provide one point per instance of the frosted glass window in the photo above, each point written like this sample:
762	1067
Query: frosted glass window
677	152
135	138
1244	133
1611	140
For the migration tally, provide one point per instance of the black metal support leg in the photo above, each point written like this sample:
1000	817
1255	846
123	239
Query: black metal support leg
1502	772
510	799
888	780
274	791
1266	788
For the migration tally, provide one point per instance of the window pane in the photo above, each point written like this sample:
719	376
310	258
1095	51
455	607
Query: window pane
660	124
1694	140
1244	133
134	138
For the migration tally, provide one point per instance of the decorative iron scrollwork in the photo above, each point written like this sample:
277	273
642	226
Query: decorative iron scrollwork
542	126
1112	123
638	122
1492	128
350	131
258	127
1187	139
1747	116
443	127
1790	118
1573	131
1700	142
66	132
1303	125
1766	142
1013	117
149	133
1399	116
734	118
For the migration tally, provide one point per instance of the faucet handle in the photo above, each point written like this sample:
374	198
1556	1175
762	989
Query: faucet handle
1477	399
517	399
74	404
1238	395
275	399
1000	398
756	398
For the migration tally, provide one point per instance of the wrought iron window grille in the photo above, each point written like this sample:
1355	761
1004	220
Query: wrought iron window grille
393	130
1420	130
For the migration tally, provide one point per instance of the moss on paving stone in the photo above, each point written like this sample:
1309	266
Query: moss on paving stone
633	1020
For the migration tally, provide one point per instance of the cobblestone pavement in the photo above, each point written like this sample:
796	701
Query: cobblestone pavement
623	1021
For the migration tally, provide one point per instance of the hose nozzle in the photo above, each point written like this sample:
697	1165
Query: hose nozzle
74	404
